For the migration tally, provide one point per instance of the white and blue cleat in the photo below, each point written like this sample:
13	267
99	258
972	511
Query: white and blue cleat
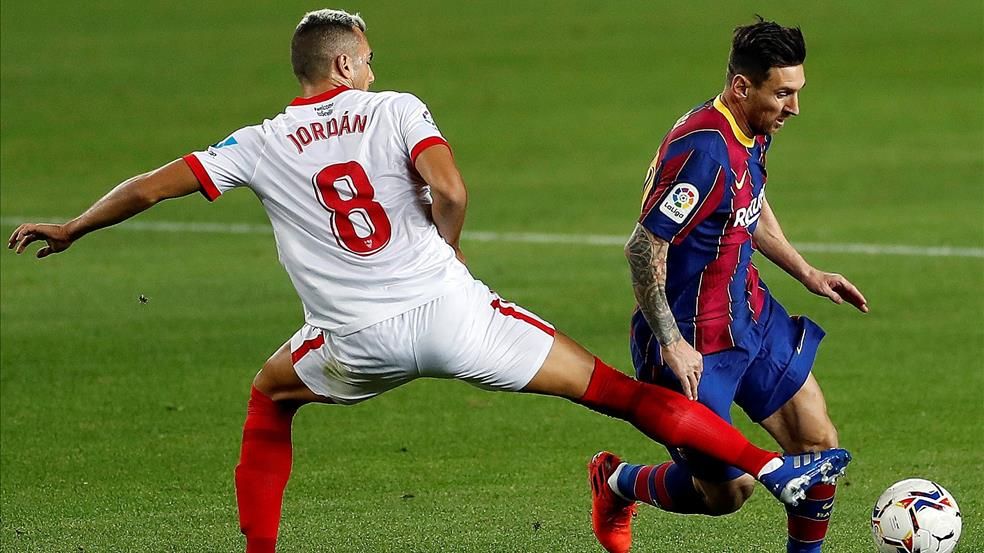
800	472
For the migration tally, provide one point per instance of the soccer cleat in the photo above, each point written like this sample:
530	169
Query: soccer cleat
611	516
802	471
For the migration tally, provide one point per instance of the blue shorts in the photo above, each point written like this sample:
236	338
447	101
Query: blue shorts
764	371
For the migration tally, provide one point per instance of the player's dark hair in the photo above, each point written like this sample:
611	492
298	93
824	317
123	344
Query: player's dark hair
758	47
319	38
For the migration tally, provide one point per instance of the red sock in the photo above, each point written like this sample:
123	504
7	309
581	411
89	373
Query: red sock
670	418
263	470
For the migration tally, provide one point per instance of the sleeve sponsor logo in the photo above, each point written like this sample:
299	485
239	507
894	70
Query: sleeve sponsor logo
231	141
680	201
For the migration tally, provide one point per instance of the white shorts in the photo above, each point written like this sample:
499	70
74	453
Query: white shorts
470	334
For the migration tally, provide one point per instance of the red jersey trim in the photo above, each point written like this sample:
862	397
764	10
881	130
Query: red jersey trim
318	98
427	143
307	346
208	188
512	312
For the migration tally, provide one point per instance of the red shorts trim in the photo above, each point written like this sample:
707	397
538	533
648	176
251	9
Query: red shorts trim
308	345
510	311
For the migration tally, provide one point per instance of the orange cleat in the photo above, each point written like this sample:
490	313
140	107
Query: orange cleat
611	516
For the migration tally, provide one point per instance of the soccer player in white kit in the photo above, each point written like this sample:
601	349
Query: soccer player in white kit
367	207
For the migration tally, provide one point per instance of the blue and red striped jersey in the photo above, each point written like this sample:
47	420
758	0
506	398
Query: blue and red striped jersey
704	194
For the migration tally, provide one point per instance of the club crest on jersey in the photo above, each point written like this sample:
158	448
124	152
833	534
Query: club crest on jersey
680	201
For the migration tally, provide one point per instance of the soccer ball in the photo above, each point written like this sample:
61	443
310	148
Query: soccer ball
915	516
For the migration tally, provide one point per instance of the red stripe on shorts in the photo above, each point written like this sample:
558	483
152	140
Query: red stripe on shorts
511	312
308	345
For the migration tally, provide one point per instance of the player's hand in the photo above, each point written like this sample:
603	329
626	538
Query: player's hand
686	363
56	237
835	287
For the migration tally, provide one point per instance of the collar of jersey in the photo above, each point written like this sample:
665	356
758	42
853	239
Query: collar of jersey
323	97
745	141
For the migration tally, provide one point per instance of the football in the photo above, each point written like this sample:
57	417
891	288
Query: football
915	516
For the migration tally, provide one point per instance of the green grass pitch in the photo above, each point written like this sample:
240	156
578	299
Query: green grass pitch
120	420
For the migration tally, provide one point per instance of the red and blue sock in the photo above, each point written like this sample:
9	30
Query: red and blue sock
668	486
807	522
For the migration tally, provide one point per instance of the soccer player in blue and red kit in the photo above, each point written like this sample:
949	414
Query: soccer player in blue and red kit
706	324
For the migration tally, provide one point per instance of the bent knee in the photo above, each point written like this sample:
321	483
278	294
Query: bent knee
724	499
278	381
817	439
267	382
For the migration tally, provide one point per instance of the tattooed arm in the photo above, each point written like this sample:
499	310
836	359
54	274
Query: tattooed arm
647	261
646	254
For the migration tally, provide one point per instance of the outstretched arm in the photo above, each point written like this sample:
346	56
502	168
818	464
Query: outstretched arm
772	242
126	200
646	254
437	167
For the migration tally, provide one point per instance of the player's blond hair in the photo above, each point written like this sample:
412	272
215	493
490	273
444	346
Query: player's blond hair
319	38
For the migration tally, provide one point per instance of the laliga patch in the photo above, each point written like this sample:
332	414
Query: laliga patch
680	201
430	120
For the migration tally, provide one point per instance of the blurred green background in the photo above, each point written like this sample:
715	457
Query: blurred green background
120	421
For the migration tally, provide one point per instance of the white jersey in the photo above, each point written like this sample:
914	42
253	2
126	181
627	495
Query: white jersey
350	214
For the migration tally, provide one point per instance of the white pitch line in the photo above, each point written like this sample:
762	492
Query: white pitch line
539	238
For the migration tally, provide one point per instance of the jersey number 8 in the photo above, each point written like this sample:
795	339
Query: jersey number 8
358	210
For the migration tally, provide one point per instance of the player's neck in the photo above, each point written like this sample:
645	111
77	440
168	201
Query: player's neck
309	90
734	106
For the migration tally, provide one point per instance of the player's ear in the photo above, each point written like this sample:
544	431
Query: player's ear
740	85
343	65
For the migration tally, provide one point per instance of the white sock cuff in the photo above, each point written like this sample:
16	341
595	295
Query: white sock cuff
769	467
613	481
